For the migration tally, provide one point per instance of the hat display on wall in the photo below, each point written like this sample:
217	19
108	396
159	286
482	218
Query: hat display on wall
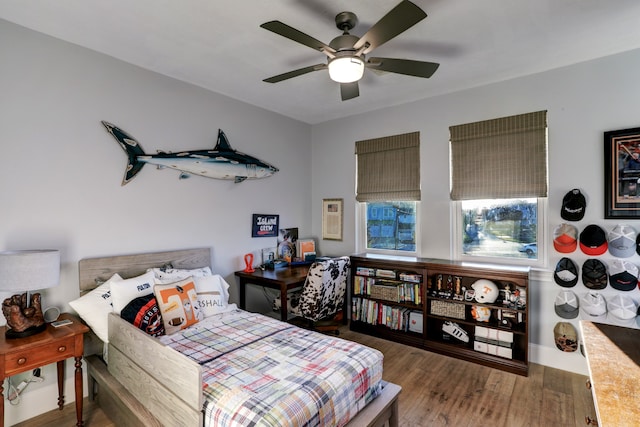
593	240
593	307
566	273
622	310
622	241
594	274
623	275
565	336
566	305
573	206
565	238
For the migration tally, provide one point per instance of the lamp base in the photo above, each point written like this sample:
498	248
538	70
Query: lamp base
11	334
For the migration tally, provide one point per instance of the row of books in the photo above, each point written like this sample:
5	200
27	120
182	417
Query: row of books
406	292
377	313
388	274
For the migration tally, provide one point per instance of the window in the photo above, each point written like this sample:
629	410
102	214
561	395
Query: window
388	189
499	187
389	226
500	228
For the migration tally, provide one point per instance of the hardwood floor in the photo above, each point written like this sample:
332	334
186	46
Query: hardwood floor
442	391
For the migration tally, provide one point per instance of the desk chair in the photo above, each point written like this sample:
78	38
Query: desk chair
322	295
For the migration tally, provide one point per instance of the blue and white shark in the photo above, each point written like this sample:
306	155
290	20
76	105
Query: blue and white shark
223	162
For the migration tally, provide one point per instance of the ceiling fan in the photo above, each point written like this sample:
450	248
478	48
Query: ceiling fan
346	53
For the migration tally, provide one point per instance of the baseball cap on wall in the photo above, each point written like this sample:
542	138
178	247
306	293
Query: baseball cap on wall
622	241
566	305
565	238
593	307
623	275
594	274
573	205
565	336
622	310
593	240
566	273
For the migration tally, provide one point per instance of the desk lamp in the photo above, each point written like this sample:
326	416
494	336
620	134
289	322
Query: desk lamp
27	271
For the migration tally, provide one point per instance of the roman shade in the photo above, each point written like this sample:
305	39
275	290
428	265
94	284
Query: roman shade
502	158
389	168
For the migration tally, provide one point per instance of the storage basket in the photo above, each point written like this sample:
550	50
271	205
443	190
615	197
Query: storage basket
447	309
385	292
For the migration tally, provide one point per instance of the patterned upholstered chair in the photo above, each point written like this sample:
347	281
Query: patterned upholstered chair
322	295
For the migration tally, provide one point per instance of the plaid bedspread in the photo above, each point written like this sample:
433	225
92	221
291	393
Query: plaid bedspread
259	371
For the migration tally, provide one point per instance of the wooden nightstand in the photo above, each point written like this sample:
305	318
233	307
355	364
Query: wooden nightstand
53	345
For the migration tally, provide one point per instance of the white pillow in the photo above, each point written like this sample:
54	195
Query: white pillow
213	294
125	291
95	307
174	274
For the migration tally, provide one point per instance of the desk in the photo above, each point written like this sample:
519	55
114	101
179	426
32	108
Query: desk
52	345
613	356
283	279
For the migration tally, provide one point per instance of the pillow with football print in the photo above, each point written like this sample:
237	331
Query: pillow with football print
178	303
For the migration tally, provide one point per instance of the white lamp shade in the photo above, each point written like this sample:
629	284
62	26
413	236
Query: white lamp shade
29	270
346	69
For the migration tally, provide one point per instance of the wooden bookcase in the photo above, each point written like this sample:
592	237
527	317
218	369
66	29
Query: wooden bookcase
430	304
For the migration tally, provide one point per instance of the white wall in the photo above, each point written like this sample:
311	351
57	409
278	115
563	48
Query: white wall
582	101
60	171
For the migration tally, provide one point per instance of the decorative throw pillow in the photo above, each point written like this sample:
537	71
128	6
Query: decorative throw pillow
178	304
143	313
213	294
95	307
170	274
124	291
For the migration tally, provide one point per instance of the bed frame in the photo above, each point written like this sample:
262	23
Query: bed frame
146	382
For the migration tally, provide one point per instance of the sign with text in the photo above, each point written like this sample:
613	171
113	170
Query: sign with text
264	225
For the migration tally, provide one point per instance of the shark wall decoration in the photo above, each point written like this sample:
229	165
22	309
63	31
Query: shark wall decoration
222	162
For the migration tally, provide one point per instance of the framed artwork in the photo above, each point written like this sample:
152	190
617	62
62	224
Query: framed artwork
332	219
264	225
622	174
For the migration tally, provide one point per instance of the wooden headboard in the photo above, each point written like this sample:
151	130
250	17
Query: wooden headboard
94	271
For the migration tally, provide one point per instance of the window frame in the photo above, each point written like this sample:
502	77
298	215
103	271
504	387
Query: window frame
541	239
361	233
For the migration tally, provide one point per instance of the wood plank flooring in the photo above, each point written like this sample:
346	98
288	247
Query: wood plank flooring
442	391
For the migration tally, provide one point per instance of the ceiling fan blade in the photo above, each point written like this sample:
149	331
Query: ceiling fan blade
349	90
402	17
403	66
297	36
295	73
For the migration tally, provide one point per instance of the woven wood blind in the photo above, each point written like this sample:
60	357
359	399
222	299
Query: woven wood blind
389	168
500	158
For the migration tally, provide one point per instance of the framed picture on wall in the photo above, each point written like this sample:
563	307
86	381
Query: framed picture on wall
332	219
622	174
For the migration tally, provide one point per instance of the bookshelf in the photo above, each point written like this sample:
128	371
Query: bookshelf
432	304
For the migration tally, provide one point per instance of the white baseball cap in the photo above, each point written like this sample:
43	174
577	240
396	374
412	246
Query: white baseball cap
622	310
593	307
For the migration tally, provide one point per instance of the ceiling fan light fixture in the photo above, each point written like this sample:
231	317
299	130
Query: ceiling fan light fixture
346	69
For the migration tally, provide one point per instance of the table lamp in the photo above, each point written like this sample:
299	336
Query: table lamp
27	271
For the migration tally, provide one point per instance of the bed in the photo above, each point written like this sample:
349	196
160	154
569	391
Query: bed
147	382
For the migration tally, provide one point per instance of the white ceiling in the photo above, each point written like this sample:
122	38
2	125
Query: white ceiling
218	44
